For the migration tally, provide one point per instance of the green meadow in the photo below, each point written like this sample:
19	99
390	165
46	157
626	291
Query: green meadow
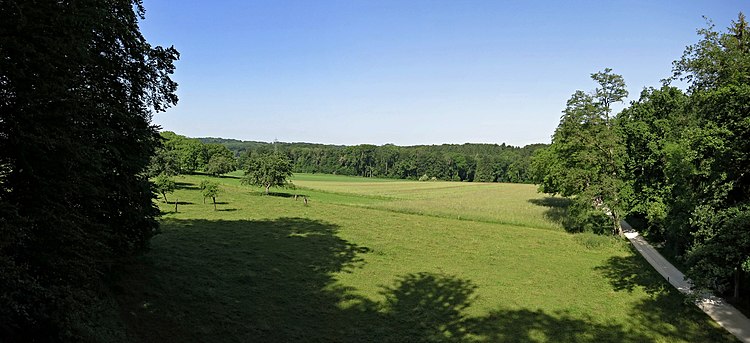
369	260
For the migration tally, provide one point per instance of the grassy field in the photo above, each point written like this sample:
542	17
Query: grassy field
392	261
514	204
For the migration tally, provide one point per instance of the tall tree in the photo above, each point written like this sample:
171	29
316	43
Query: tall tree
586	158
484	170
78	87
718	183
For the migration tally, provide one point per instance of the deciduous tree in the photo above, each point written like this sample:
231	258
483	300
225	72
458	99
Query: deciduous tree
164	184
220	164
164	161
717	184
649	128
78	87
586	158
272	170
210	190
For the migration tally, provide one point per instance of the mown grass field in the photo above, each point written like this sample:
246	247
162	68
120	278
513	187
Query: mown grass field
514	204
392	261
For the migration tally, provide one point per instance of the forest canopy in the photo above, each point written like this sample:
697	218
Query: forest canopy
674	162
78	87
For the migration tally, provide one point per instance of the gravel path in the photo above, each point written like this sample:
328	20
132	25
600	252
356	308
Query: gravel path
717	308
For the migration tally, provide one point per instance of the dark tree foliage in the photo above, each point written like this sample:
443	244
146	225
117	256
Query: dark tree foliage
164	162
78	86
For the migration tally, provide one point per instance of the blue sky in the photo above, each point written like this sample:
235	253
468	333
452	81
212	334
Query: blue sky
409	72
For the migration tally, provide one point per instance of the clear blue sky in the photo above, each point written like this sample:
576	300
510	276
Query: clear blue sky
409	72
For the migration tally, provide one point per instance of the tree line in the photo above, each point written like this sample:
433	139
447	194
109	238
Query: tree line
676	163
452	162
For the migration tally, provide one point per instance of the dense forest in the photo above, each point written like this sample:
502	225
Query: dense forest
79	85
454	162
674	162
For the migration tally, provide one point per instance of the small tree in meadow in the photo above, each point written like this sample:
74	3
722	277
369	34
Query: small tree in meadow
164	184
210	190
268	171
203	186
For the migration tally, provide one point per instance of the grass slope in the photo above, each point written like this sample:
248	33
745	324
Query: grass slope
358	265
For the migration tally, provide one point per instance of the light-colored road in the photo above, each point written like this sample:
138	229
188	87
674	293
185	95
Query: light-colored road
722	312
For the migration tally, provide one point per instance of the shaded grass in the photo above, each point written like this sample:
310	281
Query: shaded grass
274	270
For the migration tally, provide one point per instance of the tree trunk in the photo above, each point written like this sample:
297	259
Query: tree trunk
175	204
616	222
267	188
214	199
165	197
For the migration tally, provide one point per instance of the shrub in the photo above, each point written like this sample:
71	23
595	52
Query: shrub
583	217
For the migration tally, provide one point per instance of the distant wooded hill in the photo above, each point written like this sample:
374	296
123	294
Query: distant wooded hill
455	162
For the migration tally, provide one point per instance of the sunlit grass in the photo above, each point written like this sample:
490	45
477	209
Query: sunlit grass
353	266
516	204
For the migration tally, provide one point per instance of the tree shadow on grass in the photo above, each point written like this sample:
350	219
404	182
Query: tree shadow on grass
429	307
628	273
182	203
538	326
426	306
275	281
220	176
557	207
239	281
284	195
185	185
666	311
